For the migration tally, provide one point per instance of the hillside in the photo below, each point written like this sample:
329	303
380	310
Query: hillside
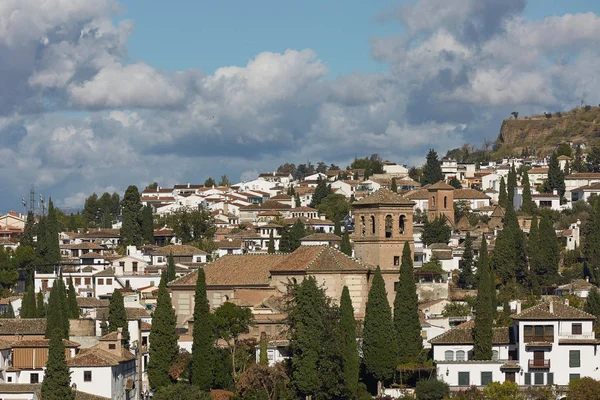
580	125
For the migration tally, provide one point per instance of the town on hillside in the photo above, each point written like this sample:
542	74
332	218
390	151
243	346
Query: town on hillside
452	279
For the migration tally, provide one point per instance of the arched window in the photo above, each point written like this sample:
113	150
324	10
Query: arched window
363	226
460	355
388	226
495	355
445	201
372	224
401	223
432	201
449	355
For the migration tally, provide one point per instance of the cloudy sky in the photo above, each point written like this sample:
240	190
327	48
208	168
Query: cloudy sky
97	95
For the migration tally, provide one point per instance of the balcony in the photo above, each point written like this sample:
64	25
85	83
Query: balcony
539	364
570	336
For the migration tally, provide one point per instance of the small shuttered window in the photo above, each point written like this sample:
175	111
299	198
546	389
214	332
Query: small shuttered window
550	378
574	359
460	355
539	378
486	378
527	378
573	377
449	355
464	379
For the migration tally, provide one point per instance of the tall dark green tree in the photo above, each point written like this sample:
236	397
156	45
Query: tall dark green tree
380	345
432	171
210	182
28	306
290	239
321	191
484	309
57	377
578	164
147	224
466	278
52	242
591	243
29	231
345	246
271	246
549	252
117	316
163	340
528	205
394	186
406	312
57	321
455	183
131	231
592	306
556	178
509	259
72	301
350	362
201	366
511	184
72	224
502	196
264	359
171	270
436	231
533	255
40	305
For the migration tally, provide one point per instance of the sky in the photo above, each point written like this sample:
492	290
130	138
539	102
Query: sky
96	96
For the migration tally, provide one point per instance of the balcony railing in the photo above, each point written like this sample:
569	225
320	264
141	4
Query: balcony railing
545	364
570	335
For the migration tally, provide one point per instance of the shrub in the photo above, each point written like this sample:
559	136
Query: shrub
432	389
584	388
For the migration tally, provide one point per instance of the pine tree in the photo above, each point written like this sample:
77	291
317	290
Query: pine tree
57	377
131	232
455	183
117	316
72	225
321	191
549	253
163	340
171	271
503	196
271	246
52	242
40	306
57	320
202	346
511	184
264	358
290	239
406	312
528	205
432	171
350	362
466	278
345	246
28	306
394	186
380	346
147	224
72	301
556	177
29	231
483	307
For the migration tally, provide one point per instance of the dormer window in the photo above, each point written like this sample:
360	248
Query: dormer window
576	329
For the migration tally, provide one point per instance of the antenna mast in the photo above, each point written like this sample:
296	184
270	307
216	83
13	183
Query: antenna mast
32	200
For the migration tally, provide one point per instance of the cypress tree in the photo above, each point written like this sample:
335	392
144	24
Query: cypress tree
533	250
201	369
503	196
350	363
41	245
511	184
57	320
271	246
406	312
72	301
483	307
578	165
591	243
10	313
432	171
337	228
28	309
117	316
466	277
52	242
147	224
131	232
72	225
264	358
380	346
57	377
171	268
567	170
528	204
510	260
163	340
29	231
321	191
345	246
592	306
40	306
297	202
556	178
394	186
549	253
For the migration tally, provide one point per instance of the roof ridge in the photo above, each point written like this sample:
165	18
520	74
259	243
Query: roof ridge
317	256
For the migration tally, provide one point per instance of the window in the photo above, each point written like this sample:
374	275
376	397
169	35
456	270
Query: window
486	378
77	281
100	281
495	355
573	377
134	267
402	223
449	355
460	355
9	379
389	223
445	201
87	376
576	329
550	378
34	378
538	378
112	346
539	333
255	331
88	281
527	378
362	225
464	379
372	224
574	359
109	281
396	260
424	334
122	264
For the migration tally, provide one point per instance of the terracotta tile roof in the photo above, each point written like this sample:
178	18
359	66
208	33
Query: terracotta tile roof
316	237
132	313
178	250
164	232
41	343
577	284
82	246
281	196
91	302
304	209
79	395
463	334
318	258
106	272
469	194
146	326
110	337
560	311
97	357
20	388
274	205
158	190
583	175
441	185
101	233
543	195
383	196
187	186
229	244
235	270
498	212
25	326
538	171
418	194
92	255
308	221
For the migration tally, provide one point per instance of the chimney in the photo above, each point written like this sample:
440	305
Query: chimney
587	278
518	304
119	334
566	302
551	307
188	185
